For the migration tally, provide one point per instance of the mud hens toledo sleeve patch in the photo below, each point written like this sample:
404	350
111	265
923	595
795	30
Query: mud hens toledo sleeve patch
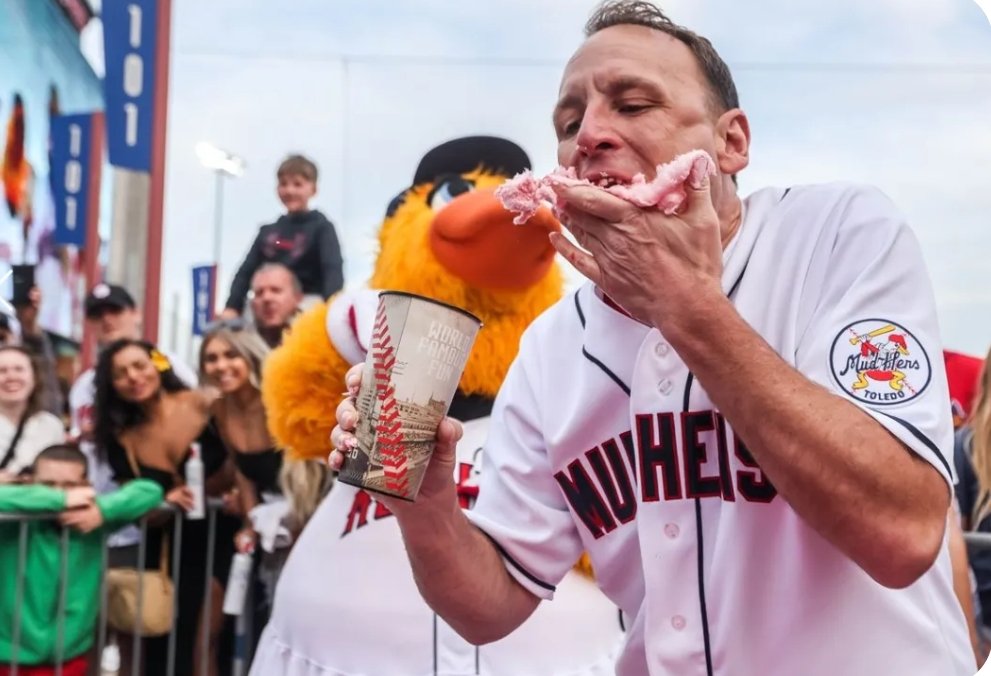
879	362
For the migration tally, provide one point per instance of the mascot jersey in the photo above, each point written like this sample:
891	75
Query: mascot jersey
347	603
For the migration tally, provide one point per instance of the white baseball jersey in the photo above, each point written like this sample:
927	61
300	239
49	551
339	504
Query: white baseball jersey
346	602
602	440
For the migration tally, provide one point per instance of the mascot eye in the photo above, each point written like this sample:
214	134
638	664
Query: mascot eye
447	189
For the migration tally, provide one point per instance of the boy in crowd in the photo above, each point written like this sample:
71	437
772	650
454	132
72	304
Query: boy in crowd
59	485
302	239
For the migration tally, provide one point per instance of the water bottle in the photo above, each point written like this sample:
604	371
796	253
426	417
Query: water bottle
110	660
194	481
237	583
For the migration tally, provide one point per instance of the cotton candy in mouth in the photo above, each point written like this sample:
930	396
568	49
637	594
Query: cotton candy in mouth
525	193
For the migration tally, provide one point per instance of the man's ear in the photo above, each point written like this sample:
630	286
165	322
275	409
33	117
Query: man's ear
733	130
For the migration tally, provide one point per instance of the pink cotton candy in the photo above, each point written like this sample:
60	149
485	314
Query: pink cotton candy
524	193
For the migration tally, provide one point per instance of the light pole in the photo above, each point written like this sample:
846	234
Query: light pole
222	163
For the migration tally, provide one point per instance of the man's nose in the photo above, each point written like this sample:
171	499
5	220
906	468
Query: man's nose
596	133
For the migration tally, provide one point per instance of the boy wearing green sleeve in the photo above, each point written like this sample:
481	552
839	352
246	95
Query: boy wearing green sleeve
60	485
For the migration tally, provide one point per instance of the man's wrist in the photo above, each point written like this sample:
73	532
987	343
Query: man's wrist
693	314
431	519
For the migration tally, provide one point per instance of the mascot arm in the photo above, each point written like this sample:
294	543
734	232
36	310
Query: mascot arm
303	379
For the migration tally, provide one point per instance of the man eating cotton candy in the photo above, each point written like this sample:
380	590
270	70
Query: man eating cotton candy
524	193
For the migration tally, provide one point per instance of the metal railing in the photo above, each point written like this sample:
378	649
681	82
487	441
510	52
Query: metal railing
976	541
242	647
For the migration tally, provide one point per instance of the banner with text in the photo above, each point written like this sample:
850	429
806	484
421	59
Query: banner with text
204	297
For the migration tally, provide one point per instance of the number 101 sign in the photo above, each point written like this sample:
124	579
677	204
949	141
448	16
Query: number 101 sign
75	139
129	37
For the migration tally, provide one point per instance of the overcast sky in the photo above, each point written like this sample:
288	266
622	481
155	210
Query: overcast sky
891	92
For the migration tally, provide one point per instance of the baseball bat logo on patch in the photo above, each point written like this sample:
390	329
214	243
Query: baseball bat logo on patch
879	362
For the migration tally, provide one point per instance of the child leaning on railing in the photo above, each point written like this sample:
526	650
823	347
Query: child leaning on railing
35	584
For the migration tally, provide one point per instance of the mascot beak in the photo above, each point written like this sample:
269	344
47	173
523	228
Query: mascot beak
474	238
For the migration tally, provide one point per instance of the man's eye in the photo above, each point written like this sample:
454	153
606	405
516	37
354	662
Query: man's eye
570	128
632	107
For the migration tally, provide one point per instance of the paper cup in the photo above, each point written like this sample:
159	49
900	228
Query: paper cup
418	352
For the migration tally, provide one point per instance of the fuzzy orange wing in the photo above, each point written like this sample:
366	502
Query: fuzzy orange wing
301	387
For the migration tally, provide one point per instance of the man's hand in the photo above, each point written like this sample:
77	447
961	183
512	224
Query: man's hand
457	569
647	262
7	478
229	313
438	482
81	496
85	519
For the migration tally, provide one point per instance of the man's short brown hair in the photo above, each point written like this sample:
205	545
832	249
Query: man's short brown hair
64	453
640	13
297	165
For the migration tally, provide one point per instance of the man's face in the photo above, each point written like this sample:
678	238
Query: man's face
114	323
60	474
295	192
632	98
273	299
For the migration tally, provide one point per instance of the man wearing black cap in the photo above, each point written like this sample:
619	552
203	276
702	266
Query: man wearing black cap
112	313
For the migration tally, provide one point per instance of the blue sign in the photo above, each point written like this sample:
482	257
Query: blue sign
72	141
129	42
204	295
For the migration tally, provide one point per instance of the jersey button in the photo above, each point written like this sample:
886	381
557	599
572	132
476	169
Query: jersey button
672	530
665	386
661	349
678	622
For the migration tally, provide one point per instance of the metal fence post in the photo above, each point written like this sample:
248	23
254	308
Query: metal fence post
208	588
139	625
176	566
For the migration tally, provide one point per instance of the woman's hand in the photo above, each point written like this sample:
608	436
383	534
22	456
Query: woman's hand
245	540
232	502
181	497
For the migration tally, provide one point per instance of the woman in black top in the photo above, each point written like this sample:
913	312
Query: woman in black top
231	358
147	424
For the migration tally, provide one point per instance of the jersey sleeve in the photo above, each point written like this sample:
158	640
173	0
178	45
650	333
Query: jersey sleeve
520	507
872	334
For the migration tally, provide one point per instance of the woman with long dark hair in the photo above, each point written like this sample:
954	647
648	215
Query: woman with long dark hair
148	424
